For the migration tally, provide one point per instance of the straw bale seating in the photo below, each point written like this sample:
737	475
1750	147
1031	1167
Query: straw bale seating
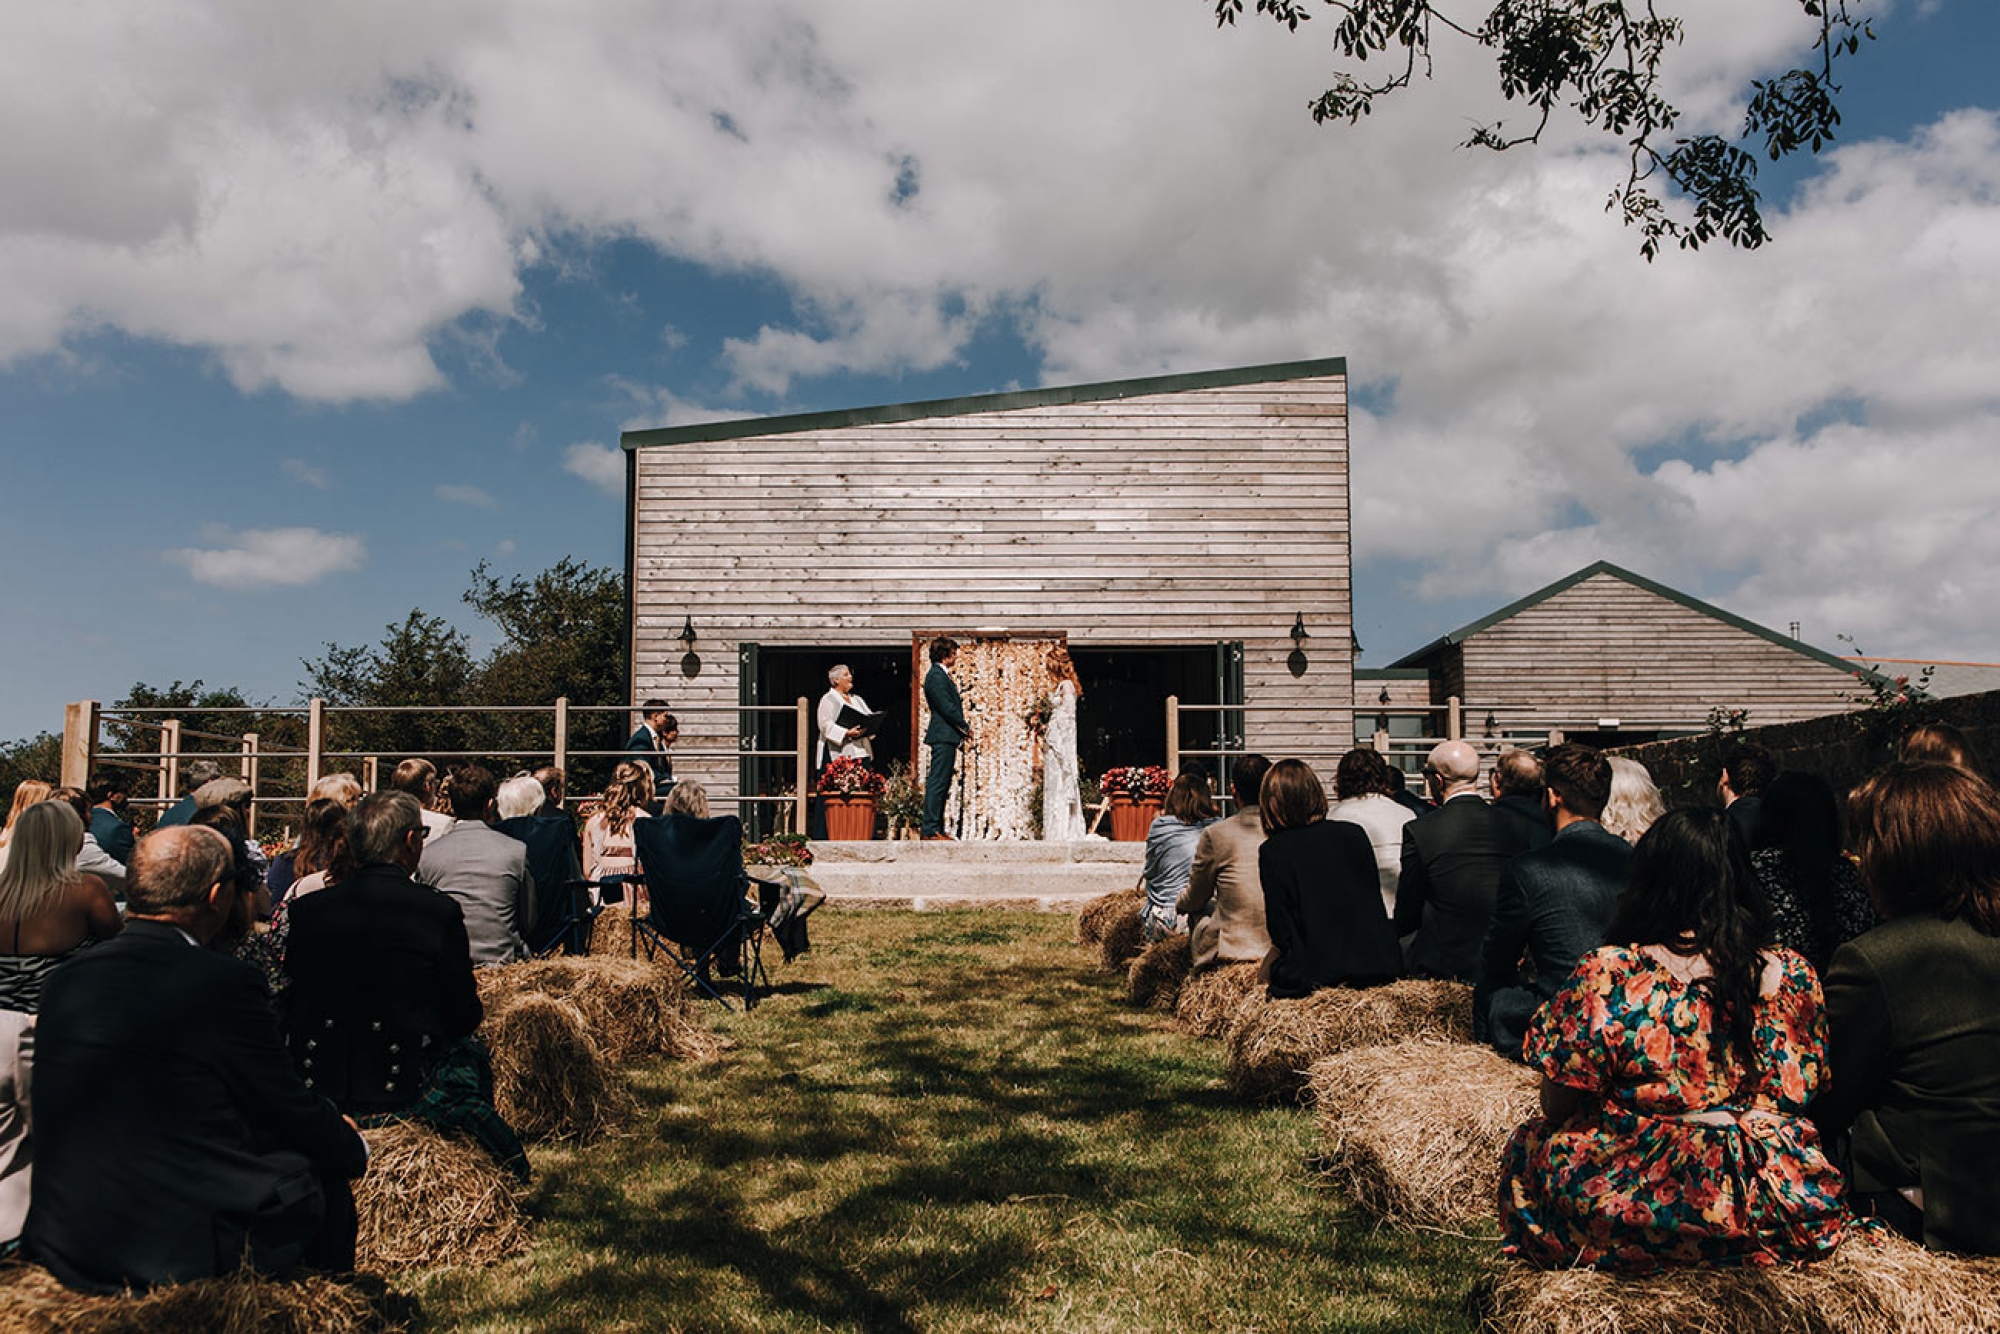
1272	1043
550	1080
1106	912
1413	1131
1154	979
432	1199
33	1302
1210	998
1868	1286
633	1009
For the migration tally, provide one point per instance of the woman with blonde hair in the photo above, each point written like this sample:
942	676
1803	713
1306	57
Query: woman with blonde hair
607	835
26	793
48	911
1634	802
688	798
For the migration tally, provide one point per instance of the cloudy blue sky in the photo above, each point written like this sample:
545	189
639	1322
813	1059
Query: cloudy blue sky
309	309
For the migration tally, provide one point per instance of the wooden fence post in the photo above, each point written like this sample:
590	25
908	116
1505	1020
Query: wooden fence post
1173	735
79	751
804	763
1454	719
250	768
371	774
562	733
170	759
315	740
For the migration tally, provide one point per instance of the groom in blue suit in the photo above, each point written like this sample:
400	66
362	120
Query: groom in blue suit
947	730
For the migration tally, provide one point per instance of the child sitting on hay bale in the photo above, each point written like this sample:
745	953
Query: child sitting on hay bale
1273	1043
1675	1066
1413	1131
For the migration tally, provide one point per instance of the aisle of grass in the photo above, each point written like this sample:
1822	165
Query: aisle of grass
946	1122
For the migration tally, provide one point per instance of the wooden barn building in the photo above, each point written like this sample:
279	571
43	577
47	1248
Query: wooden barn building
1603	656
1175	529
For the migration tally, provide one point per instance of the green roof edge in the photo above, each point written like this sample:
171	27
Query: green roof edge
1692	603
1102	392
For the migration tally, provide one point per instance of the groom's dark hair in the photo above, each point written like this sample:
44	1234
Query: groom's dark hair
942	649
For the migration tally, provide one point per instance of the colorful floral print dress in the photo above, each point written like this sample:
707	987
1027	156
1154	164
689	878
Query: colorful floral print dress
1671	1163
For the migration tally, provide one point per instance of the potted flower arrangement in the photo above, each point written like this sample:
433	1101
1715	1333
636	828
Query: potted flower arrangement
849	787
777	850
1136	792
902	801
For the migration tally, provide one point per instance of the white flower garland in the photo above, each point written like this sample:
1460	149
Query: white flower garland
1000	681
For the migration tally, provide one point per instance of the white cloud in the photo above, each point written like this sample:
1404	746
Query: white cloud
304	473
271	558
458	494
600	465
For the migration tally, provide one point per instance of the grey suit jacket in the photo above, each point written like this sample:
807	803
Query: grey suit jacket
487	873
1225	893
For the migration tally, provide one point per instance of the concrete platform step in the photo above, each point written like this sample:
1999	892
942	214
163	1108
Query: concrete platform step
1096	851
1040	877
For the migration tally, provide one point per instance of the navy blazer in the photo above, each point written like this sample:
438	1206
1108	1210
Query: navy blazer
1554	903
947	726
381	981
1451	864
113	834
168	1120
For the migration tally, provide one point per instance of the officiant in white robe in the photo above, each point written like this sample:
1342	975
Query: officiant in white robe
836	741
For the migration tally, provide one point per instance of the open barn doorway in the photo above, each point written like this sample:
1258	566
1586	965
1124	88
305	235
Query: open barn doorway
1122	717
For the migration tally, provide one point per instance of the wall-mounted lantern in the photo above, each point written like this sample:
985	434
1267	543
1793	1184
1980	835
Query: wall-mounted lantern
1295	661
690	660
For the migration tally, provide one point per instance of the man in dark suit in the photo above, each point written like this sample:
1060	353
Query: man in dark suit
382	1010
173	1140
1746	771
1518	794
946	732
1553	903
650	741
1451	863
108	824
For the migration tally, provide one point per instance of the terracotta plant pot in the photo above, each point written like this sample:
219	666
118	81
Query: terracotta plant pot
850	819
1131	819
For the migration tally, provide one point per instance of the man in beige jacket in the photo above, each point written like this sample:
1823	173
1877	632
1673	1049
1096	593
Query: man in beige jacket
1224	900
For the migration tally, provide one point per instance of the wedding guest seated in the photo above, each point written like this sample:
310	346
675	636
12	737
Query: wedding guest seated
322	857
194	774
1520	796
607	834
418	777
108	798
1635	802
1224	901
237	796
1367	787
1322	896
1676	1064
486	871
1170	842
48	912
342	792
27	792
1915	1009
381	1013
1451	866
553	784
552	861
1552	904
93	860
1813	891
173	1141
1747	769
1939	743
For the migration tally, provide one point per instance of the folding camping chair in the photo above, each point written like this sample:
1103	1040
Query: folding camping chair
697	913
563	912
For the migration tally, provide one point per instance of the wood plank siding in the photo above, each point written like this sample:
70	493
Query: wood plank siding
1612	645
1175	512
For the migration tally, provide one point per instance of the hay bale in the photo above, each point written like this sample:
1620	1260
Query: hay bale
1098	914
611	933
1413	1131
549	1079
33	1302
1210	997
1272	1045
1155	977
1123	938
1871	1285
633	1009
431	1199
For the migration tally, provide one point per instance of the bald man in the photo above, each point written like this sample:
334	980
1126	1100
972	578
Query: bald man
1451	867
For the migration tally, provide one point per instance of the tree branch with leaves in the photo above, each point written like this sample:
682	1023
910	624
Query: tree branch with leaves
1603	60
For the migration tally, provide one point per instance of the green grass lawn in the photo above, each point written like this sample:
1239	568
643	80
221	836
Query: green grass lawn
950	1121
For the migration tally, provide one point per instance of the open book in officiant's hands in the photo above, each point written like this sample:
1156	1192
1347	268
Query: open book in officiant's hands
852	718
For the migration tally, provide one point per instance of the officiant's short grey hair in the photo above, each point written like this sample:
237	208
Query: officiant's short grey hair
835	672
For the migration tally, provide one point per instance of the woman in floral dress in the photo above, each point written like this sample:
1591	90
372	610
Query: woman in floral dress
1675	1065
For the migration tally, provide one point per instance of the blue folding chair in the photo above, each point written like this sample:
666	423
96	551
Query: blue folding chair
696	911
